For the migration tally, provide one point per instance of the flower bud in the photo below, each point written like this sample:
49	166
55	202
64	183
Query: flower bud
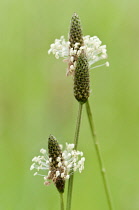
75	34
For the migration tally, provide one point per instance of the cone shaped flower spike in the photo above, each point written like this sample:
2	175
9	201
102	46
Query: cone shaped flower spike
72	49
58	165
81	79
75	34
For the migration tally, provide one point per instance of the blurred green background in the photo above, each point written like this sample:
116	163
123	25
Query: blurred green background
36	99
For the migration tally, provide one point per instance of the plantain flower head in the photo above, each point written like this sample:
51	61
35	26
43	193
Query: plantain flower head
76	45
58	165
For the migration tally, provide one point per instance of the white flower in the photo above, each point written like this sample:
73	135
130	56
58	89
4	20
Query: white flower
70	162
92	48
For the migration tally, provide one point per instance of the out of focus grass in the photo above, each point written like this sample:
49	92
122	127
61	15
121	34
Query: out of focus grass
37	99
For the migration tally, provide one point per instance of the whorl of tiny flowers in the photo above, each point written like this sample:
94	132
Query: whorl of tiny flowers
70	50
81	79
58	165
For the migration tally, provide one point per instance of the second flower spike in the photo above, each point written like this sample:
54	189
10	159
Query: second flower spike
58	165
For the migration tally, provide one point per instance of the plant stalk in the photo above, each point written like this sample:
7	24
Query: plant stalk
76	137
61	201
99	156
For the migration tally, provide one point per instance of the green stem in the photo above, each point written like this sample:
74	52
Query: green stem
99	156
61	201
70	183
69	195
76	137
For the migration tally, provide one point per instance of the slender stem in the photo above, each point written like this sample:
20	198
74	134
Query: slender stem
76	137
99	156
70	183
61	201
69	195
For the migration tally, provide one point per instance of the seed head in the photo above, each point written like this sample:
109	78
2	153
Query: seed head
81	79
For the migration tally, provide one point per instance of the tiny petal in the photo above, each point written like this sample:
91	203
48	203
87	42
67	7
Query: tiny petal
62	175
67	177
69	154
66	163
69	146
59	164
72	59
57	173
61	146
32	166
103	56
35	173
107	64
49	172
81	153
83	159
43	151
45	177
57	55
49	51
58	159
71	67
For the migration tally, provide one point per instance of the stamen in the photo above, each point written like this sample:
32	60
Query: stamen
105	64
